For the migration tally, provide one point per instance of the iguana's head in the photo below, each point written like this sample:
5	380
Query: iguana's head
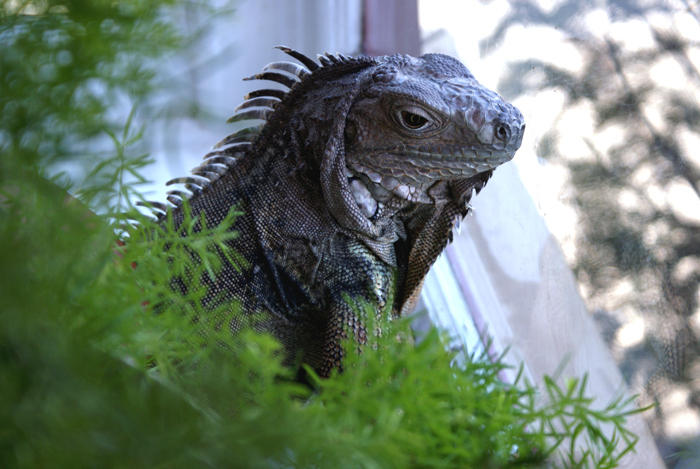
417	121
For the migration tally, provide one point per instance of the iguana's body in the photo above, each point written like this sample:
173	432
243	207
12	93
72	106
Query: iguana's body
352	186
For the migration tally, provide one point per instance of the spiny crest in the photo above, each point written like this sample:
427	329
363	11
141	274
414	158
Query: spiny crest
257	105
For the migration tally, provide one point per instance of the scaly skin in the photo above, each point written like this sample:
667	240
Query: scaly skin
351	187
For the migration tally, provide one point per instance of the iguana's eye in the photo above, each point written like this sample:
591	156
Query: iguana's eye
413	121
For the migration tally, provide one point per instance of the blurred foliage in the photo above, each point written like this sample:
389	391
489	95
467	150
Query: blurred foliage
103	364
64	63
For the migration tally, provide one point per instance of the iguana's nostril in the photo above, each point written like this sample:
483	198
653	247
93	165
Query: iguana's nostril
502	132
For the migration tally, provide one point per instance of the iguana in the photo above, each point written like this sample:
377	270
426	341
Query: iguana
350	188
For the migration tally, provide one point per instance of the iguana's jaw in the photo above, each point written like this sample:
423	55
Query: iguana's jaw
414	170
407	171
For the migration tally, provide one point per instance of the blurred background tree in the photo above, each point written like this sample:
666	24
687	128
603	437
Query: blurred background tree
617	87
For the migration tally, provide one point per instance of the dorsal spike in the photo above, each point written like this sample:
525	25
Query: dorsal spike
224	160
175	201
240	145
289	67
209	175
189	181
196	190
263	101
237	148
310	64
153	205
249	114
279	94
180	194
210	167
243	135
280	78
325	61
331	57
